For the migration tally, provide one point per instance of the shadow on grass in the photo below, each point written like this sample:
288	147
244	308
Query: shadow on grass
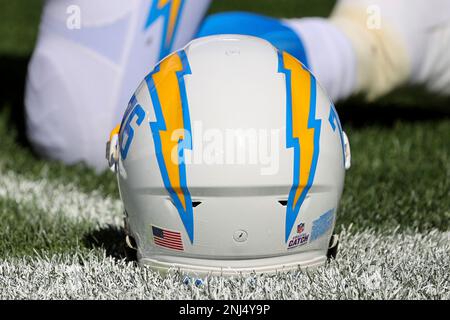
112	240
13	71
412	104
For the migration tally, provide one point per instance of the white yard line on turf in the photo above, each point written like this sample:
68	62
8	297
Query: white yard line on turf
370	265
400	265
57	198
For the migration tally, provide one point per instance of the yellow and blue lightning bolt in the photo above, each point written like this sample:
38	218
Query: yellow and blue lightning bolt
172	131
302	132
333	119
171	11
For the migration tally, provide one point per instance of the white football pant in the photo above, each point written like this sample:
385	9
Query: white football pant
89	58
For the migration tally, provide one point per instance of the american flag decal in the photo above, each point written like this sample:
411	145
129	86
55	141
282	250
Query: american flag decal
167	239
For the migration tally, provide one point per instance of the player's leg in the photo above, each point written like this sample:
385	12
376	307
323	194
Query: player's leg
397	42
366	46
316	42
89	58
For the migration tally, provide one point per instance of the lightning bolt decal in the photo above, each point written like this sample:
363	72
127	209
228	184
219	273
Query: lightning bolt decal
171	11
172	131
302	132
333	119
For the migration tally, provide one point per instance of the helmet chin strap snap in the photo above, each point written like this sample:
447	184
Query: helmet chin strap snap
130	242
348	154
333	247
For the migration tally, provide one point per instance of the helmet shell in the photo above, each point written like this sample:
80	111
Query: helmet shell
231	158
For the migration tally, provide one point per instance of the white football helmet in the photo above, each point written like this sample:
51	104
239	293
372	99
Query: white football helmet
230	158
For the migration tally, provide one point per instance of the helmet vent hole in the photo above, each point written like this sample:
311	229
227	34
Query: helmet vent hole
283	203
196	203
